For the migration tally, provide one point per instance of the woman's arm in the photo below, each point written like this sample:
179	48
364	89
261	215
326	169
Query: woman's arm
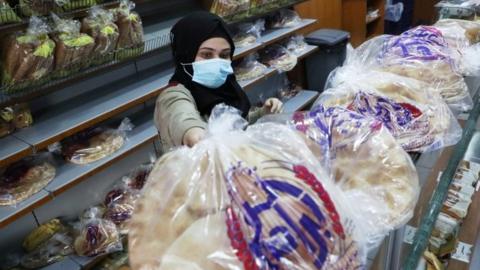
176	114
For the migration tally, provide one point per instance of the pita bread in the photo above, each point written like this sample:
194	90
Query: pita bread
100	146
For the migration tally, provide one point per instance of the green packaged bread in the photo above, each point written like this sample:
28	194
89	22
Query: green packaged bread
27	57
7	14
130	41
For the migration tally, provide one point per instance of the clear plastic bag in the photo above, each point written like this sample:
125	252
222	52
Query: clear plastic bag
93	144
22	116
456	9
24	178
384	186
246	34
284	18
6	121
278	57
257	200
463	37
96	236
288	90
131	39
30	8
249	68
411	55
67	5
101	27
73	49
119	205
27	56
7	14
296	44
224	8
415	114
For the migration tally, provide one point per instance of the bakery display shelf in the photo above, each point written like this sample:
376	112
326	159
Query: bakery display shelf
300	101
20	22
272	36
271	71
87	262
84	111
64	264
8	214
260	11
13	149
23	92
428	206
69	175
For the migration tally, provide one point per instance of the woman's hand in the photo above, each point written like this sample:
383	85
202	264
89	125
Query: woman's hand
193	136
273	105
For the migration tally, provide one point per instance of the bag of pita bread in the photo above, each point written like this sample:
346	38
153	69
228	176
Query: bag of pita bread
464	38
368	165
428	59
410	109
255	199
26	177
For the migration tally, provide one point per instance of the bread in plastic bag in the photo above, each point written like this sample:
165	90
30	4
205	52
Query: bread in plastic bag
257	200
288	90
22	116
101	27
7	14
6	121
422	53
27	56
96	236
30	8
131	40
225	8
67	5
278	57
366	162
296	44
73	49
415	114
249	68
246	34
26	177
463	37
283	18
94	144
119	205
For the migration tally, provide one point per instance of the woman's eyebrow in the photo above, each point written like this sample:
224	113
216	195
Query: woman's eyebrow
212	49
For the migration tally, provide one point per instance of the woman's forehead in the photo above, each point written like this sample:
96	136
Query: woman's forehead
216	43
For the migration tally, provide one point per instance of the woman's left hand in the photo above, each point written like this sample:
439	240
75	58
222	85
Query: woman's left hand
273	105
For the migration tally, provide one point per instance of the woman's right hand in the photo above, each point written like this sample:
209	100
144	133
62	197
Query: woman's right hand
193	136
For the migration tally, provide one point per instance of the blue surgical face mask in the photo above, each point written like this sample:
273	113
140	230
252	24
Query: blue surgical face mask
210	73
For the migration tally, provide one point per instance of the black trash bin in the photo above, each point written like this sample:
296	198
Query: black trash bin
331	54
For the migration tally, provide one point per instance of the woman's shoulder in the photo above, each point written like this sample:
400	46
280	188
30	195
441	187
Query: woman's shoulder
175	89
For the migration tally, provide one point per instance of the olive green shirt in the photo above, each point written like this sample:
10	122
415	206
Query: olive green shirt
176	113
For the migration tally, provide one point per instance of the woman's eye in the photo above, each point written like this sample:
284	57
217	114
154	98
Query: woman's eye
225	56
207	55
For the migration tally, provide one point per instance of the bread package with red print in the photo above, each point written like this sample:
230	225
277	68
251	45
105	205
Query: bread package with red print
367	163
254	199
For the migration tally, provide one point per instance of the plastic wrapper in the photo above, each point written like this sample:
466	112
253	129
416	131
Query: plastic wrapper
288	90
101	27
47	244
296	45
37	7
67	5
27	56
94	144
384	185
278	57
119	205
412	55
249	68
130	28
24	178
283	18
246	34
6	121
465	10
7	14
137	178
22	116
256	196
414	113
225	8
73	49
463	37
96	236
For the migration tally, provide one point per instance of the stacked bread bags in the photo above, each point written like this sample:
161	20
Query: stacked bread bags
37	7
7	14
67	5
130	42
255	201
73	49
101	27
27	56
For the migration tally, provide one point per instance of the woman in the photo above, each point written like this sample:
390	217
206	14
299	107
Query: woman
202	49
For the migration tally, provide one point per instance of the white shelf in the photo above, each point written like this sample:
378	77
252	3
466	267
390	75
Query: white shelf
10	213
300	101
13	149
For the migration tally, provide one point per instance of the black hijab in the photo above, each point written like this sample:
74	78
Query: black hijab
186	37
